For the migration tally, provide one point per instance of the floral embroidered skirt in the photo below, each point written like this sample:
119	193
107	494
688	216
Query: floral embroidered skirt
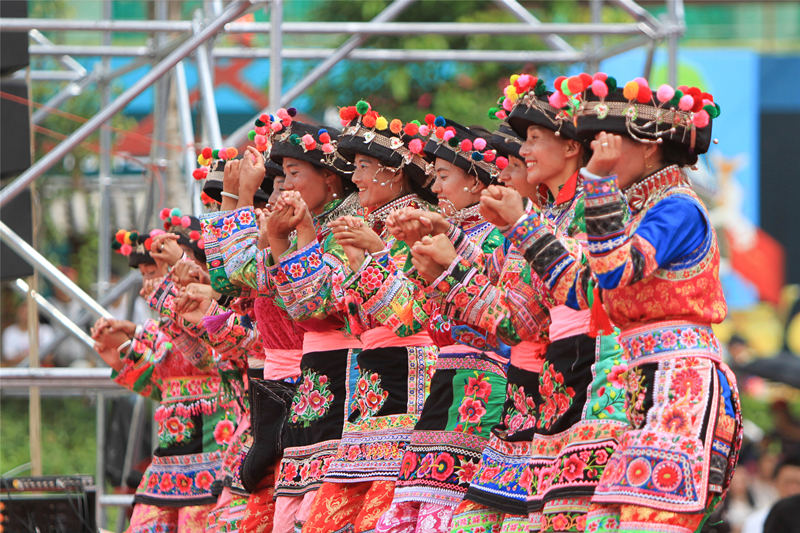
465	403
180	480
314	425
500	483
684	407
388	397
581	420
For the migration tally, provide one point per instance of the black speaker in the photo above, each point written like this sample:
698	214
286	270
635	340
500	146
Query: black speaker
16	215
13	44
15	137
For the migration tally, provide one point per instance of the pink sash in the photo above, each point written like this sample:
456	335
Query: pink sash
567	322
332	339
281	364
528	355
383	337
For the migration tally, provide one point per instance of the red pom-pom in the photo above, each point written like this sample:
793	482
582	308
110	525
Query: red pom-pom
194	235
120	236
501	162
264	118
261	130
148	242
199	174
369	120
644	95
440	132
348	113
175	221
430	119
575	85
324	137
223	153
207	153
286	122
586	79
411	129
489	156
466	145
415	146
558	82
164	214
201	244
602	76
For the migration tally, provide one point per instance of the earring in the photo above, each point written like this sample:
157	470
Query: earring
335	195
466	189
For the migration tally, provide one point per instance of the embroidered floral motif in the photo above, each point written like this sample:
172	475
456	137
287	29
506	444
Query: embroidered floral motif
472	408
174	430
636	392
312	400
369	395
523	413
556	398
223	431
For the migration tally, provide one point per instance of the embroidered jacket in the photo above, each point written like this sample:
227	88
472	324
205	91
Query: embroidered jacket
663	264
316	281
234	260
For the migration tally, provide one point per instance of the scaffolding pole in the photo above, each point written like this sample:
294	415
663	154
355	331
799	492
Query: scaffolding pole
233	11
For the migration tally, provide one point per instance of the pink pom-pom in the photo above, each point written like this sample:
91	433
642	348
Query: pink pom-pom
416	145
327	148
502	115
524	81
479	144
424	130
599	88
156	232
201	244
557	100
287	121
164	214
344	122
508	104
282	113
125	249
701	119
260	139
186	221
602	76
686	103
665	93
276	126
447	135
641	81
261	130
501	162
307	139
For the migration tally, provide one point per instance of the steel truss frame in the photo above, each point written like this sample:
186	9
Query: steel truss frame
175	41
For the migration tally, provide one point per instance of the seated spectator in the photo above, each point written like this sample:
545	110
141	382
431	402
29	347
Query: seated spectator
16	342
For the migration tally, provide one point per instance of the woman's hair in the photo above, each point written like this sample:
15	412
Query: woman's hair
676	154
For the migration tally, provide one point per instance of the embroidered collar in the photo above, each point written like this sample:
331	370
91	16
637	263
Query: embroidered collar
468	217
335	209
376	217
566	192
638	193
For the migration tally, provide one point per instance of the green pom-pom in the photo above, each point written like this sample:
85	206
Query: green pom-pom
259	123
719	110
115	245
711	110
676	98
175	212
492	111
362	107
294	138
251	134
134	236
453	142
215	154
540	88
417	122
611	81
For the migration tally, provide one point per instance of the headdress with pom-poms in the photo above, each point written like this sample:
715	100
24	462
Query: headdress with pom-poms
680	116
528	103
187	228
459	145
134	245
397	145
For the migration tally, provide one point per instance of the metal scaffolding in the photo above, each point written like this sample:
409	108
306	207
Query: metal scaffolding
174	42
